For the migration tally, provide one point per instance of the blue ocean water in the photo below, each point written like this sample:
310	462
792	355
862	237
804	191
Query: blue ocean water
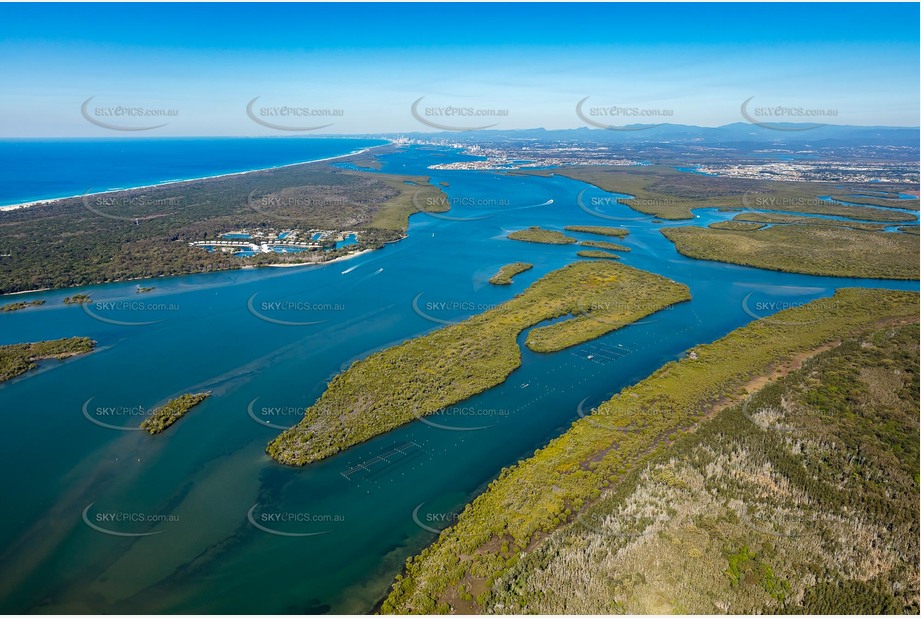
266	342
39	169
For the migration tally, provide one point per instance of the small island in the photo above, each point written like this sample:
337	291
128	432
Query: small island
143	290
602	244
19	358
505	274
540	235
421	376
174	409
9	307
78	299
594	253
598	229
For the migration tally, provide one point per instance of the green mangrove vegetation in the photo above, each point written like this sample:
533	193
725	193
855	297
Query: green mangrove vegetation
174	409
19	358
807	249
78	299
423	375
471	567
600	230
19	306
594	253
505	274
540	235
735	225
603	244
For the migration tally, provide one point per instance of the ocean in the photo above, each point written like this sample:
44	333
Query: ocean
42	169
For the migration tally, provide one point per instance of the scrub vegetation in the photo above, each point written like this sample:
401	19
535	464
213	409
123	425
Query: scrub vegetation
802	500
582	517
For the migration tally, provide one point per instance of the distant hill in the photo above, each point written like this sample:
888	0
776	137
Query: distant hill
737	132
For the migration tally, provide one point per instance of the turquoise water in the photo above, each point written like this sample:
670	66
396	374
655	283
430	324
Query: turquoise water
885	196
265	342
345	242
288	249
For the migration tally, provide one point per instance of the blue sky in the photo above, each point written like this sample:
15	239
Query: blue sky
367	64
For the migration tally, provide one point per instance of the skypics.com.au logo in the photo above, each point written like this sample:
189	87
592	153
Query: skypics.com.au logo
129	118
602	116
452	117
784	117
295	118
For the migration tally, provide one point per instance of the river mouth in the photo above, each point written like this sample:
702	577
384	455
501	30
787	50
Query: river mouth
226	529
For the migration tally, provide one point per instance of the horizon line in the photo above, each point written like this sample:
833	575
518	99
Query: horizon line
387	134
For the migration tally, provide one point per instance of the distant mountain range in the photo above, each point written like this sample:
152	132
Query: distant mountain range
801	134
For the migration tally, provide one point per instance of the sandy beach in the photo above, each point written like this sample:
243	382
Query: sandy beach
338	259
